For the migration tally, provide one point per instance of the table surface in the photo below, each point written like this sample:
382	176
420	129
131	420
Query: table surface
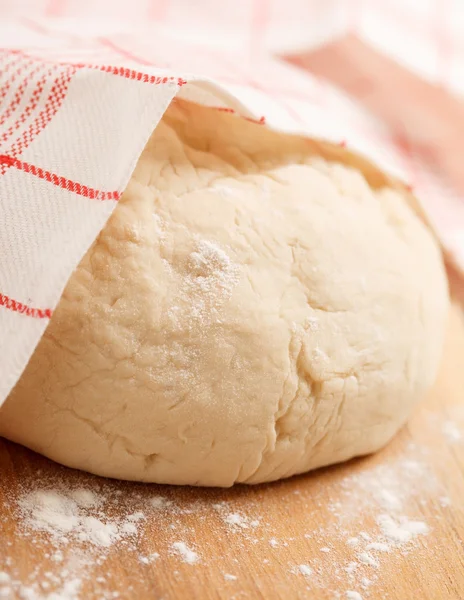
312	536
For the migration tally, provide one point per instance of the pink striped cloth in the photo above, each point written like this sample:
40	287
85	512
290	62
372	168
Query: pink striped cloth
84	83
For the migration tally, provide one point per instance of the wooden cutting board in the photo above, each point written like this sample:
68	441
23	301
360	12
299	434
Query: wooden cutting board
251	542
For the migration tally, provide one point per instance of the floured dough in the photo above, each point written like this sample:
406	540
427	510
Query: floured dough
254	308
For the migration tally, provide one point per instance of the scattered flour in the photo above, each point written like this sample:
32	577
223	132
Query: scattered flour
59	513
235	519
137	516
353	595
187	554
148	560
70	591
273	543
389	500
83	523
305	570
365	582
379	546
129	528
86	498
401	531
51	511
80	532
351	567
57	556
160	502
367	559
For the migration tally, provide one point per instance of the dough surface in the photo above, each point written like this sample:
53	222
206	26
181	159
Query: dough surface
254	308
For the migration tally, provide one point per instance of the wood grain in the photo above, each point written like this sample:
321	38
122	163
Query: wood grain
296	517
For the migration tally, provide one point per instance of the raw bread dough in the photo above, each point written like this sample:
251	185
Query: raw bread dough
253	309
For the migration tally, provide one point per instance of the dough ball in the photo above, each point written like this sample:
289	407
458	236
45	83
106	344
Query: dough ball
255	307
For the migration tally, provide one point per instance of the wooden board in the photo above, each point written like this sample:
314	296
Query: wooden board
308	520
